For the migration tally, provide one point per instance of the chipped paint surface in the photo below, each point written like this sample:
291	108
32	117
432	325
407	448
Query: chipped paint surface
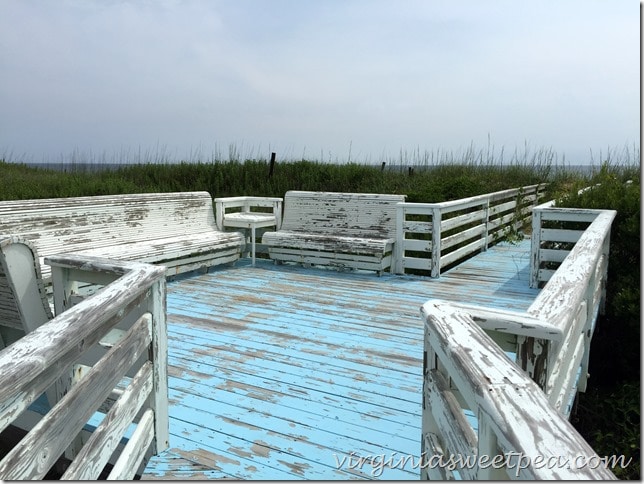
177	230
282	372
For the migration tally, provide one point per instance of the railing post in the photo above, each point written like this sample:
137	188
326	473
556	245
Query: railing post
535	246
399	250
277	211
488	450
486	234
588	331
431	433
532	357
159	357
219	214
604	278
436	241
63	288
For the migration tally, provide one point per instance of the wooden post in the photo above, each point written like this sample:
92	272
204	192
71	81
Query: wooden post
382	167
488	448
63	288
436	242
486	234
272	166
159	357
399	250
535	246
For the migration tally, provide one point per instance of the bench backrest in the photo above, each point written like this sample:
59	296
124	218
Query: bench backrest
367	215
60	225
23	303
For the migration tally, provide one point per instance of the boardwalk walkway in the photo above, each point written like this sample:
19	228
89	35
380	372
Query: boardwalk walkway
281	372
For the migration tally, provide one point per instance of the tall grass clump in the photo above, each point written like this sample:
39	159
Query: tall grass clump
251	177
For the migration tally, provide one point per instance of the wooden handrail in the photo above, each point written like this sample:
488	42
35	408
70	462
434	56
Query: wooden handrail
516	423
46	356
521	408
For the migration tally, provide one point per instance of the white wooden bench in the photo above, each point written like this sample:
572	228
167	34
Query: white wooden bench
344	230
177	230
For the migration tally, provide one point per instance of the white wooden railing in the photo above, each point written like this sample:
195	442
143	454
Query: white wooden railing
431	236
518	409
106	354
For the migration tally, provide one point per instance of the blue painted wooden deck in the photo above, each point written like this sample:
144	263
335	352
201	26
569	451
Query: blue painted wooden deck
282	372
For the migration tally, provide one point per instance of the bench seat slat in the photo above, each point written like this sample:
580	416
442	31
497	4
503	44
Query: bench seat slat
330	243
169	248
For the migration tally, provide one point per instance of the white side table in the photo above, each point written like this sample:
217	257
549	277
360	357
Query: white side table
252	221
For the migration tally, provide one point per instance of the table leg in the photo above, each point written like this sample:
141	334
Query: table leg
252	241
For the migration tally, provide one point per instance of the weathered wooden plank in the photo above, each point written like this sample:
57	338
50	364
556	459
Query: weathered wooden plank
50	437
464	219
287	406
553	303
307	438
560	235
502	207
518	323
461	252
460	237
514	407
456	431
417	227
96	452
135	449
416	263
350	359
569	214
552	255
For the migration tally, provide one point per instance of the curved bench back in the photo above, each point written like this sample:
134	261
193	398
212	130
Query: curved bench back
23	303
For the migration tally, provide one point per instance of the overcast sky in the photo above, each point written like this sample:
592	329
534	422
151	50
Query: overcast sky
319	79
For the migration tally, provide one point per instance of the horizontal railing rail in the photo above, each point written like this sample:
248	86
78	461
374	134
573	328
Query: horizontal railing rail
108	354
521	407
431	236
518	434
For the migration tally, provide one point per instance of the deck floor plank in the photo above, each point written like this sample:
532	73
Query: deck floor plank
284	372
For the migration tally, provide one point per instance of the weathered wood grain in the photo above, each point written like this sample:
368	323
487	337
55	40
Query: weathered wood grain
134	452
511	404
348	230
23	301
311	362
42	446
39	359
159	228
96	452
